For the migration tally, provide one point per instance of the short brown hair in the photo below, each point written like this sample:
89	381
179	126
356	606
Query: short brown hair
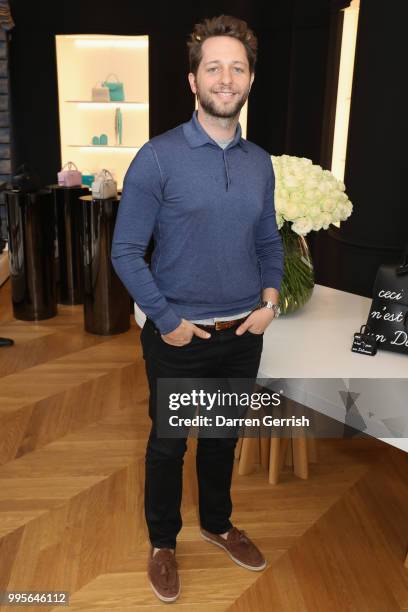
223	25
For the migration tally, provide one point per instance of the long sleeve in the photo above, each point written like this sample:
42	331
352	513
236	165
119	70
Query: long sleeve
138	209
268	242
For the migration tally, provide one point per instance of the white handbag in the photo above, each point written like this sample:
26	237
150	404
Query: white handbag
104	186
100	93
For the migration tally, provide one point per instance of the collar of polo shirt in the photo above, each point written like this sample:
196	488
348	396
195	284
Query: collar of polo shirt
196	135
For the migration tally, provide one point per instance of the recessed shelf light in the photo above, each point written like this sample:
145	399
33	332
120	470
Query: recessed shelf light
82	117
90	105
112	42
110	148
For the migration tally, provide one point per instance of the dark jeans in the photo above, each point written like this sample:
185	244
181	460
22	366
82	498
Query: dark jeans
224	355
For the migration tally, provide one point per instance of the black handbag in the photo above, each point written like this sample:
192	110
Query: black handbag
388	316
26	180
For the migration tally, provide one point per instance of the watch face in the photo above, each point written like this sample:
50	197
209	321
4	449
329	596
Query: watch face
271	306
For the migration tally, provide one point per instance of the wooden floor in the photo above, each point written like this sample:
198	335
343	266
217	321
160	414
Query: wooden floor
73	429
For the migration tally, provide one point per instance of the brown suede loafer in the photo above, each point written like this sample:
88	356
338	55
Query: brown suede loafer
163	575
239	547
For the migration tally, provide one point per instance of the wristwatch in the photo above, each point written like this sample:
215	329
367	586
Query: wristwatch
271	306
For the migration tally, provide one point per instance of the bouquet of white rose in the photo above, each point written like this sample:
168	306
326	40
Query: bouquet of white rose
306	198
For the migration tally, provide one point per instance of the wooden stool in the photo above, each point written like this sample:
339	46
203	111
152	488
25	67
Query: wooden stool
273	453
296	449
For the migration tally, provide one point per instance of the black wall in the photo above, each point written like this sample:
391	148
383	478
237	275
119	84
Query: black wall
286	112
286	99
376	164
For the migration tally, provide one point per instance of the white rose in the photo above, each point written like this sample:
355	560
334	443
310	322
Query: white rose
279	203
291	182
331	185
326	220
299	173
344	211
309	195
297	197
317	223
324	187
314	211
291	211
335	215
311	183
302	226
342	197
303	209
315	196
329	205
315	171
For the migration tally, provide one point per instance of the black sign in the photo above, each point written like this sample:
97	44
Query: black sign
364	342
388	317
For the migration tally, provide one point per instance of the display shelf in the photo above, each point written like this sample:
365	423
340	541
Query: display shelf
84	146
124	103
84	61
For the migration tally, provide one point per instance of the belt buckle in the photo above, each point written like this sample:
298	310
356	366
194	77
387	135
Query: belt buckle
220	325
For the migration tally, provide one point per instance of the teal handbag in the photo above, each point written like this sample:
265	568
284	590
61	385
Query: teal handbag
88	179
116	89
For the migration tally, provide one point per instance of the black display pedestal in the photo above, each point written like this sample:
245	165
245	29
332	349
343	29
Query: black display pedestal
69	264
106	301
31	225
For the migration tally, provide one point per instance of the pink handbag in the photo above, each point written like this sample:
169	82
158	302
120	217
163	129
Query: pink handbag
70	177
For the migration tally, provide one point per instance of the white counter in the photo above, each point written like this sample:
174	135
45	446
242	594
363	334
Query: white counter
315	341
311	350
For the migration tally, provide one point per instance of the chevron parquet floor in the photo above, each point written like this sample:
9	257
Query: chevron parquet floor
73	428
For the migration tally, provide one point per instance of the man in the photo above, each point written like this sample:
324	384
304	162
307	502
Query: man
206	195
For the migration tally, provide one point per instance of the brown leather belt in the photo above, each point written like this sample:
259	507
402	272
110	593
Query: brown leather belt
219	325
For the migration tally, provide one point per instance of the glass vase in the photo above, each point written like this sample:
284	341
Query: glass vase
298	277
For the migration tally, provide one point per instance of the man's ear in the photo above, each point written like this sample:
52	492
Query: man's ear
251	81
192	81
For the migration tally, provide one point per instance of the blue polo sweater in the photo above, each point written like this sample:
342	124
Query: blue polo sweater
212	215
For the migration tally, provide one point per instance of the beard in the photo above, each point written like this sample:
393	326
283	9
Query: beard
222	112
